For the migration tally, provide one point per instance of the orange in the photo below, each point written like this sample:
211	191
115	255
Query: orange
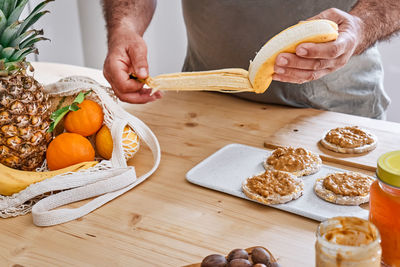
104	142
68	149
85	121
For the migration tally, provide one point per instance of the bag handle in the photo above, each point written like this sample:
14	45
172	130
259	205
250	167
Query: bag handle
42	212
108	189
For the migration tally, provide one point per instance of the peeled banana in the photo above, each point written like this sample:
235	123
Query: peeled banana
13	181
261	69
314	31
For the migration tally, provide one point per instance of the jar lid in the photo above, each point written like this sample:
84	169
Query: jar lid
389	168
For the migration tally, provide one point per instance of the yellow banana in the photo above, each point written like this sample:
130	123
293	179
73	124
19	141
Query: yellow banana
12	180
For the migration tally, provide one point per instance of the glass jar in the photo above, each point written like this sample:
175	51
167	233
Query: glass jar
347	241
385	206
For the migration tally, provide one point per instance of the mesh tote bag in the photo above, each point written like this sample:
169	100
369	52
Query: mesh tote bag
101	183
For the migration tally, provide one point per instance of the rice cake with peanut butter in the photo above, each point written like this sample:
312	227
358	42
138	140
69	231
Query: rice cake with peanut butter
273	187
344	188
297	161
349	140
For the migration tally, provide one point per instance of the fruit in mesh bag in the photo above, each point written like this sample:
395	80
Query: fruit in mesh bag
68	149
24	107
85	121
104	142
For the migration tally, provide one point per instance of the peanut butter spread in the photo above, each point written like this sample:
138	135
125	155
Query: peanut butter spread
291	159
272	183
349	137
348	184
351	232
351	241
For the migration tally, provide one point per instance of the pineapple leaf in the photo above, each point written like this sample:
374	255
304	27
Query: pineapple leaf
3	21
16	34
7	7
18	53
17	12
9	33
9	66
22	56
57	115
32	18
13	5
29	43
7	52
31	21
20	38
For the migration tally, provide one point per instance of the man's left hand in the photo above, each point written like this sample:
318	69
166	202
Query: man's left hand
314	60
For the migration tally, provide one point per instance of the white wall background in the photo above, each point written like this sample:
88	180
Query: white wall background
62	26
77	31
390	51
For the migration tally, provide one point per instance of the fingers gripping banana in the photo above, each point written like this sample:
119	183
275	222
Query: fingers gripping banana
13	181
314	31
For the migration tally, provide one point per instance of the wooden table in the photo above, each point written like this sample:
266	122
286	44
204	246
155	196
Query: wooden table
166	221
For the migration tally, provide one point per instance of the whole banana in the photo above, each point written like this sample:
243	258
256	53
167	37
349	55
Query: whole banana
13	181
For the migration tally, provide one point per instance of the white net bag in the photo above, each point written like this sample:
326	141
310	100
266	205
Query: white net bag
105	181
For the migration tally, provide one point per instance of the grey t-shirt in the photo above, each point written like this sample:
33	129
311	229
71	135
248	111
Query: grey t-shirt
228	33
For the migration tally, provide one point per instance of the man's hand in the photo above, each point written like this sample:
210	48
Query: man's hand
127	54
314	60
126	22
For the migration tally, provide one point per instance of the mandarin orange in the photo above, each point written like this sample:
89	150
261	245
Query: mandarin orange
68	149
85	121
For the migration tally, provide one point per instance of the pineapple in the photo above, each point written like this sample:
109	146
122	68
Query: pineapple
24	107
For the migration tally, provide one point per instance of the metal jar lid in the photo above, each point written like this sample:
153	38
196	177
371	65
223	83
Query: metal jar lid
388	169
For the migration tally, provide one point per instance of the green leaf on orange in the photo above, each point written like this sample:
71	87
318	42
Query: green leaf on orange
57	115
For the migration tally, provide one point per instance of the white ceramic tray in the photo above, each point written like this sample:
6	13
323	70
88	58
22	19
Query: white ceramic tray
226	169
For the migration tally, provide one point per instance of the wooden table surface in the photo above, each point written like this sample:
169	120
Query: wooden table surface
166	221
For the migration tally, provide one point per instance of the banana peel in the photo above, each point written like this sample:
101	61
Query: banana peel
232	80
13	181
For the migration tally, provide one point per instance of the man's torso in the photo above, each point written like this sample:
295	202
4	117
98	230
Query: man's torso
228	33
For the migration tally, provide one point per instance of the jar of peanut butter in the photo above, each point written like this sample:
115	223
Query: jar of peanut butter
384	206
347	241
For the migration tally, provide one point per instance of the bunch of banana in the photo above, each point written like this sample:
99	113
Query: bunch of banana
13	181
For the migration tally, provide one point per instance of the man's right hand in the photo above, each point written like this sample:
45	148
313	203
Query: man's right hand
127	54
